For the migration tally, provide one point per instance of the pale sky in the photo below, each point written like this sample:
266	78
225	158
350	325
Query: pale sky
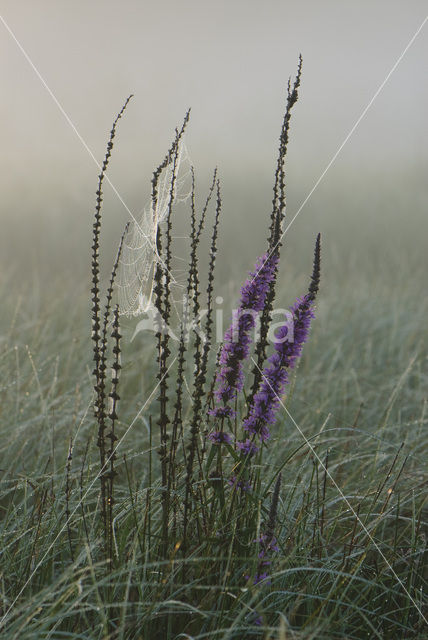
228	60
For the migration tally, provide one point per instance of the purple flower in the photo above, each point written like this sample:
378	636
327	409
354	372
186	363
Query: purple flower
264	410
222	412
244	485
268	545
248	448
220	437
259	577
237	339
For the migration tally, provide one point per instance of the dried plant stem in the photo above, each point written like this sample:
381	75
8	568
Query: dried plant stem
114	398
82	505
189	311
98	338
200	378
274	240
67	496
162	281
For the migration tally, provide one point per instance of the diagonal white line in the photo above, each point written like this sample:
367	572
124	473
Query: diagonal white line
74	128
64	113
325	469
83	497
333	159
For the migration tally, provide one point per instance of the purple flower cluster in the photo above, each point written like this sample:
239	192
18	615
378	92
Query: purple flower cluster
275	375
244	485
247	447
267	546
219	437
237	339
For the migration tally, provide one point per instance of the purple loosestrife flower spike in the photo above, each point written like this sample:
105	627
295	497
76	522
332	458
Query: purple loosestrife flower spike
288	348
237	339
267	541
244	485
275	375
260	577
219	437
316	271
247	447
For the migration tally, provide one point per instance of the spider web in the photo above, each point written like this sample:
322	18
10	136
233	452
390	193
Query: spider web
139	256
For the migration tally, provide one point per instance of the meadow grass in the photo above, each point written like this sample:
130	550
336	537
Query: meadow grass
351	559
354	358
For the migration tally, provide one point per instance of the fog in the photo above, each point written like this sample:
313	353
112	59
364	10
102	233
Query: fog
67	67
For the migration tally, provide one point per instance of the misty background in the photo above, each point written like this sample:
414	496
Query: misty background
230	62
